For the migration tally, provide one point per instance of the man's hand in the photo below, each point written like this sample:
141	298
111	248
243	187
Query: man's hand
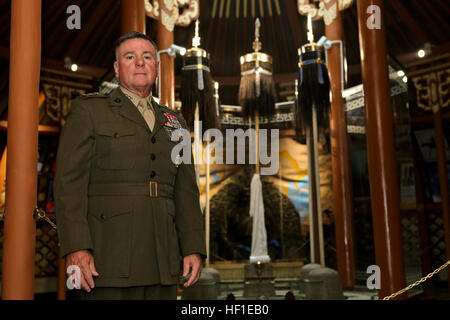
85	261
193	264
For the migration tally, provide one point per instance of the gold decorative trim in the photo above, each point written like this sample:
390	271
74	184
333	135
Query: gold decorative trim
168	12
256	56
197	52
327	9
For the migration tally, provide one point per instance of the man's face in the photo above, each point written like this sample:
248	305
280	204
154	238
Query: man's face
136	65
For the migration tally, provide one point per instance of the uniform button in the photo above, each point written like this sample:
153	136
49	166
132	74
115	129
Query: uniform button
153	139
153	174
153	156
117	100
116	135
102	217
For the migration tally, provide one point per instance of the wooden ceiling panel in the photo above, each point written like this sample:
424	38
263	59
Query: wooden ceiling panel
439	21
406	15
421	13
227	30
55	35
89	30
109	23
5	16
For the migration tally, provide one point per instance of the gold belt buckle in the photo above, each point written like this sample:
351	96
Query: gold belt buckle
153	189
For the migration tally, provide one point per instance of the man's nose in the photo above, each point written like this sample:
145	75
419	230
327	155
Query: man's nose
139	62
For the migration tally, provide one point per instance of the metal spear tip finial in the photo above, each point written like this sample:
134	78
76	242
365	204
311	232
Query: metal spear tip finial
257	43
196	39
257	26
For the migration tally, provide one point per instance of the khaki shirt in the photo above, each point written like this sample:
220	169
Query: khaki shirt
144	105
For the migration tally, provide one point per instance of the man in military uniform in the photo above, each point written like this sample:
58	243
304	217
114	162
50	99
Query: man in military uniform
126	213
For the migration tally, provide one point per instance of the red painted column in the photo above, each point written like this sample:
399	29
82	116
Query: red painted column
342	183
165	39
384	187
132	16
21	172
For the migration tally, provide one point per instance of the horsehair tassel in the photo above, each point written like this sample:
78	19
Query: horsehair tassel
257	89
197	86
313	89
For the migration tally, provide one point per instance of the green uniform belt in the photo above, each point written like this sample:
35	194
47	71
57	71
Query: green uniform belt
152	189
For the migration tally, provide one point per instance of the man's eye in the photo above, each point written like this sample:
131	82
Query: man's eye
148	57
129	57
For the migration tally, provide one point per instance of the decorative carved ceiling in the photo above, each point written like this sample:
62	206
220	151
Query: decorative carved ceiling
227	31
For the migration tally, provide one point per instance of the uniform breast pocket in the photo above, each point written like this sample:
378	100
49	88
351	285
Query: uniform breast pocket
115	146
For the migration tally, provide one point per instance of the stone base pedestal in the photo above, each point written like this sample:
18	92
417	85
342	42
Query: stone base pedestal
325	283
257	279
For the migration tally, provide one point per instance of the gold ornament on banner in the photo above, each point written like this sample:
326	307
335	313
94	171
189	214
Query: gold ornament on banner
326	9
173	12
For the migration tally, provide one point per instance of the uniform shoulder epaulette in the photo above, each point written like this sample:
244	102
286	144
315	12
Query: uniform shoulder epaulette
171	111
93	95
166	108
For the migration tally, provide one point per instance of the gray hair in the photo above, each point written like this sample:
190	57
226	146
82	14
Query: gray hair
133	35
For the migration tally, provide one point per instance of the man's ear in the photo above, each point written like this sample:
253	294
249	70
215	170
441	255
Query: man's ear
116	69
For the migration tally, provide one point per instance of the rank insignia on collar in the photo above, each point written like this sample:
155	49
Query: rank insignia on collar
171	121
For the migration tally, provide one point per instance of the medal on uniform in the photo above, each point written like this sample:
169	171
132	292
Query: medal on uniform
171	124
171	121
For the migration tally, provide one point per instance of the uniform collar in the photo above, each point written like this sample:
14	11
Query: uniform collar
134	98
129	111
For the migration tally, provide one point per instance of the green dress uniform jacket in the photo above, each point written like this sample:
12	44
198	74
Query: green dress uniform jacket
119	195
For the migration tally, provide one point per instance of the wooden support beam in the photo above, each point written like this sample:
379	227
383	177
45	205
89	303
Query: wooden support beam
21	173
383	178
340	161
165	39
132	16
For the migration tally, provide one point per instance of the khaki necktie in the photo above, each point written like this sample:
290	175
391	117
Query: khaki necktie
147	113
